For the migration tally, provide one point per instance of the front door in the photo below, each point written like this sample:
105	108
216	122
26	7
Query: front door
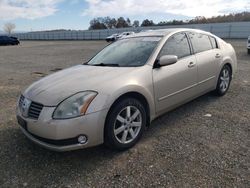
176	83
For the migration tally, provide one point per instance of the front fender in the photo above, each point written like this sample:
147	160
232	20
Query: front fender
137	80
148	94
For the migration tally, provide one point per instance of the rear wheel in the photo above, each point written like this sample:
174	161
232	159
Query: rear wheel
224	80
248	50
125	124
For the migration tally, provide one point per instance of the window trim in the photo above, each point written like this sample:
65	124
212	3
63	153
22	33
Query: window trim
216	43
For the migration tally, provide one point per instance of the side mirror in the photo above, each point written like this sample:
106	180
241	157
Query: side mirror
167	60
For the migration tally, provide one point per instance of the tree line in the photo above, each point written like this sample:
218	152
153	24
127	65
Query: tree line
121	22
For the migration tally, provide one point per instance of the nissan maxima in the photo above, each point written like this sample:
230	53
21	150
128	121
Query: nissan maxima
114	96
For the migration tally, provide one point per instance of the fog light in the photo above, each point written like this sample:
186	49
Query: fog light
82	139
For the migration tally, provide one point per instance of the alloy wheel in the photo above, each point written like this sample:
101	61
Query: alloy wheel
128	124
224	80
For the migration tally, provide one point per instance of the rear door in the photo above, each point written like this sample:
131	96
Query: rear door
176	83
207	57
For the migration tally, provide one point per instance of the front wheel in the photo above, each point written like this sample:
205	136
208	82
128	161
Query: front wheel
248	51
125	124
224	80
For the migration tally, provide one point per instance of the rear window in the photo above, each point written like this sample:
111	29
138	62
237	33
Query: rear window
200	42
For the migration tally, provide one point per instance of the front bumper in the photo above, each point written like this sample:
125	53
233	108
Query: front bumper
59	135
51	146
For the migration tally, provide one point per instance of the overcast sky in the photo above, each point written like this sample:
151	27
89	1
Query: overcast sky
75	14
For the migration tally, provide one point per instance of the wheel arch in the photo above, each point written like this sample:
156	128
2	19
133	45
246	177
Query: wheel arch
230	66
136	95
229	58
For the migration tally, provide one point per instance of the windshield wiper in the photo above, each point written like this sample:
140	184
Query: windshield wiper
106	64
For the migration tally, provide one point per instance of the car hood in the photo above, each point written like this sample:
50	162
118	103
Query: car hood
54	88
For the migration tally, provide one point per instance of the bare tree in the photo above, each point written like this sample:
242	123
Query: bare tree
9	27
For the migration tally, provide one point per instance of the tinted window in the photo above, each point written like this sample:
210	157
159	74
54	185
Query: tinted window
127	52
213	42
200	42
176	45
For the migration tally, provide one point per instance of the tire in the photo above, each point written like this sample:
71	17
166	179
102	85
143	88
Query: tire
248	51
125	124
224	81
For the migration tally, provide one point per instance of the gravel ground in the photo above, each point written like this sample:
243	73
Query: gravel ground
183	148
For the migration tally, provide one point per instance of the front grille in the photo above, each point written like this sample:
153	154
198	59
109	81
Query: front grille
35	110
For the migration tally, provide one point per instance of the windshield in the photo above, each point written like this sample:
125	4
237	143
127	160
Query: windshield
129	52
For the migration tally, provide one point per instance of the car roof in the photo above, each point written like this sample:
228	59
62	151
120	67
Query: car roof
164	32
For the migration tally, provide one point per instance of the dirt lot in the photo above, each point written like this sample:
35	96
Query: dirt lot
183	148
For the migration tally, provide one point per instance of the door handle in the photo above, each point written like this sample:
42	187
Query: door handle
191	64
217	56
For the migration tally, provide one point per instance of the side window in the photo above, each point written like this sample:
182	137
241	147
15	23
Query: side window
200	42
213	42
176	45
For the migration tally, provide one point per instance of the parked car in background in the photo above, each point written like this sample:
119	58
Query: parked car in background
112	38
125	34
248	45
5	40
115	37
115	95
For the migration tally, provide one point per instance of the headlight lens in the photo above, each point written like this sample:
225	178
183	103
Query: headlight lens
74	106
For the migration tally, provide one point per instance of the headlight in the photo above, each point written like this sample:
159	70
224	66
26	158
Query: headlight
74	106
